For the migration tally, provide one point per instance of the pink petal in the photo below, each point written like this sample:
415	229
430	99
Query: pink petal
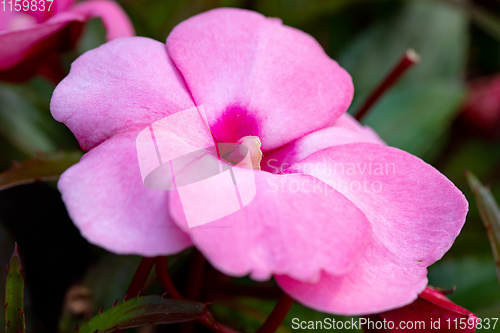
348	122
21	44
55	8
256	77
126	83
345	130
60	6
114	18
107	201
25	48
298	233
11	19
415	213
5	19
378	282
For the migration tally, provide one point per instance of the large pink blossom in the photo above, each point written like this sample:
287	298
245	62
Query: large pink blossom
30	38
329	245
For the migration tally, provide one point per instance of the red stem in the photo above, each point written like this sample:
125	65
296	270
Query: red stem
278	314
194	285
195	279
140	277
409	59
161	268
139	280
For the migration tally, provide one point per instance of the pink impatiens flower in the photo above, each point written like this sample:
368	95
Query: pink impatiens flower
481	112
32	33
344	223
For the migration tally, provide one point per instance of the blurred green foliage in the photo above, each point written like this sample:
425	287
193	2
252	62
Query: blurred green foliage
427	97
420	114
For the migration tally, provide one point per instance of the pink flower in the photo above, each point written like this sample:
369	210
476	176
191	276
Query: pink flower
30	38
332	247
432	312
481	111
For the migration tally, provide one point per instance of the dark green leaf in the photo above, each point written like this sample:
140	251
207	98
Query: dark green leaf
490	215
296	13
14	296
487	21
414	116
145	310
441	43
419	109
30	129
48	166
93	35
119	271
6	244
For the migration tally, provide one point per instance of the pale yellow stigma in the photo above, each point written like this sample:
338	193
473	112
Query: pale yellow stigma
245	153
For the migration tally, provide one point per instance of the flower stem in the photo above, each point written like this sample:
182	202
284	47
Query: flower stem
140	277
161	268
278	314
195	279
409	59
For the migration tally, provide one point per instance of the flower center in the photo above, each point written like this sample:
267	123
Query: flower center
245	153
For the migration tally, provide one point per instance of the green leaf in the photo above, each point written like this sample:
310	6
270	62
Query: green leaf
48	166
487	21
6	245
155	18
30	129
118	270
14	296
145	310
441	43
300	12
490	215
413	117
245	314
419	109
93	35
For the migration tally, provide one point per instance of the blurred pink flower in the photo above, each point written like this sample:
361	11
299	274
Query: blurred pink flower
432	312
30	40
332	247
481	111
